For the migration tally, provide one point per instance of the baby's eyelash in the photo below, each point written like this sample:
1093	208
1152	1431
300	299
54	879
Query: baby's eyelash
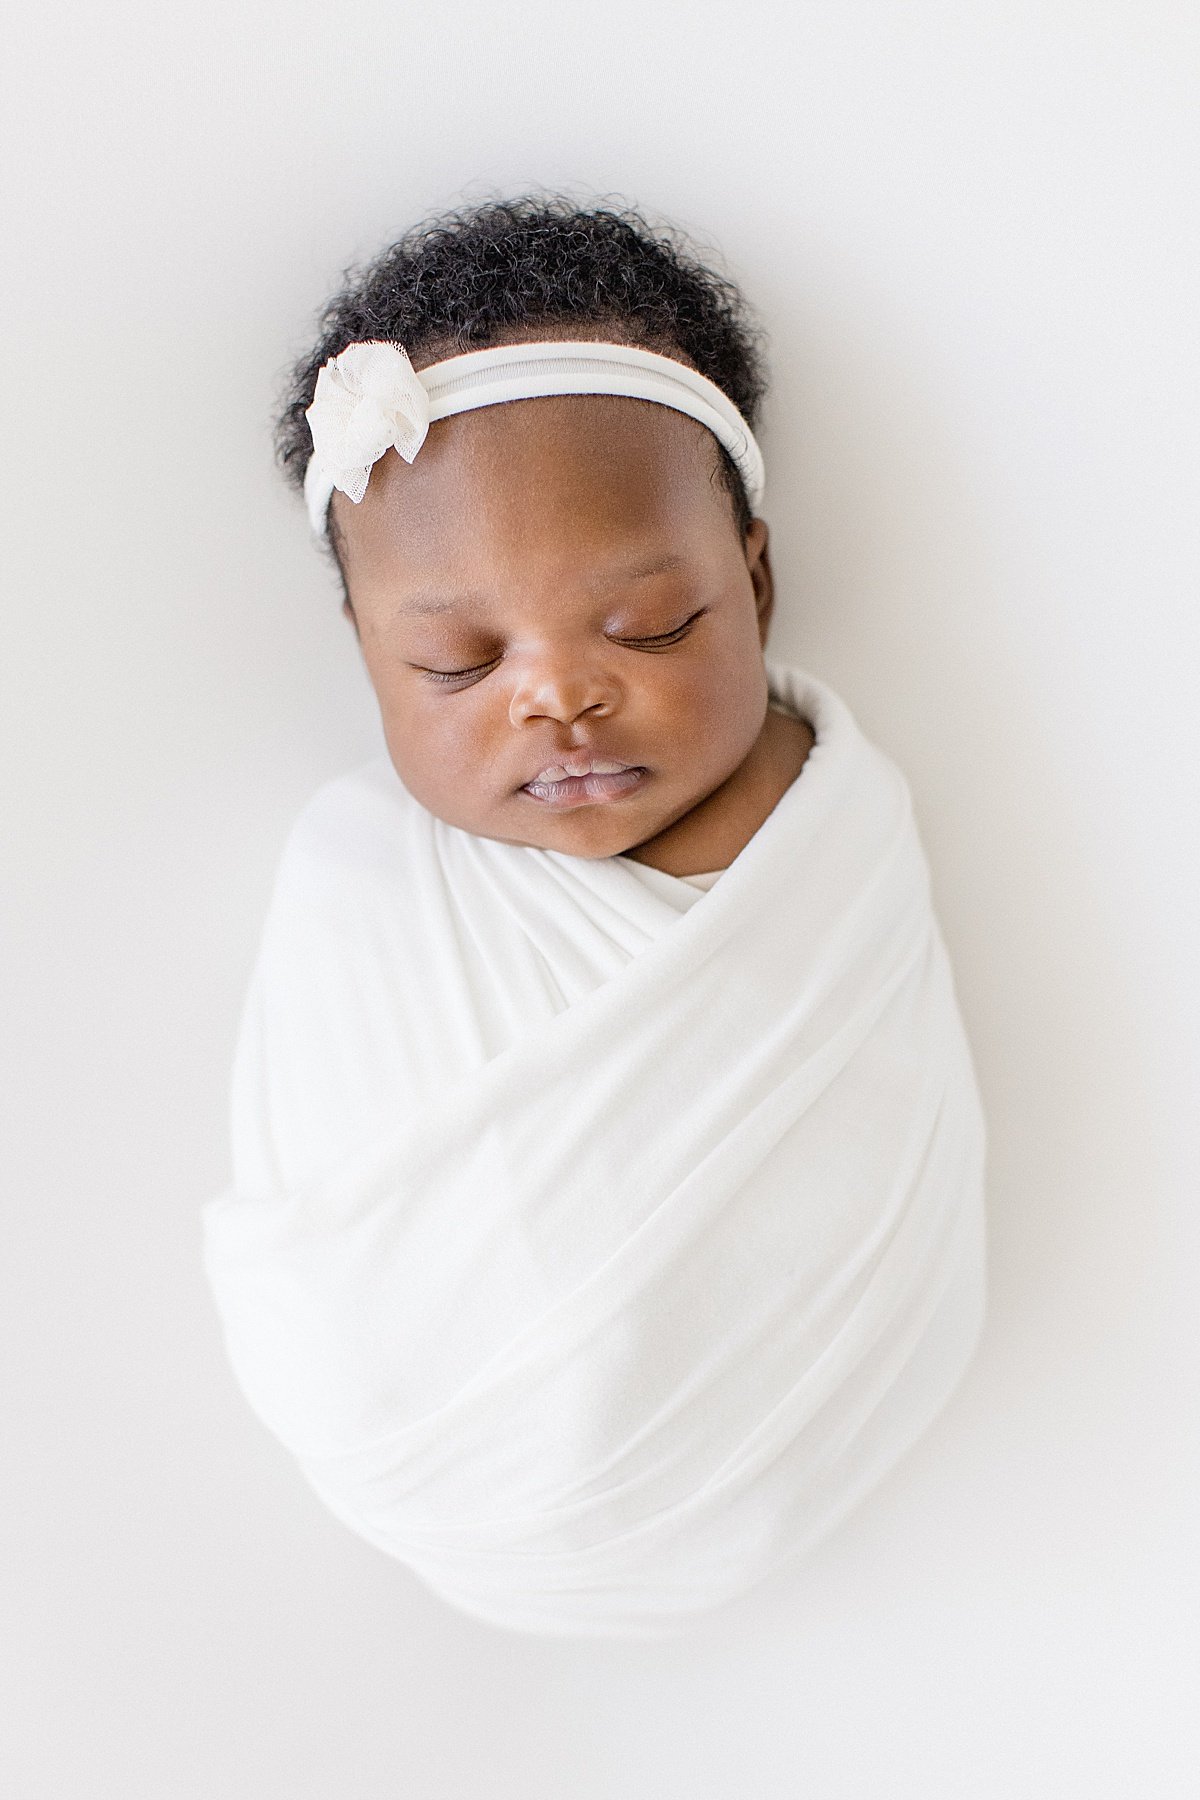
453	674
665	637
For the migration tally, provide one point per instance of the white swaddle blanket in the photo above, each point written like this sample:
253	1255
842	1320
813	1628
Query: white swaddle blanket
595	1242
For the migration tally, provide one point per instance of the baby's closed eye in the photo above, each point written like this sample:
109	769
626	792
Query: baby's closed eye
658	641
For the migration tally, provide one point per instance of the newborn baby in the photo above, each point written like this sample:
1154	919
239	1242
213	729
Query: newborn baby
563	581
606	1213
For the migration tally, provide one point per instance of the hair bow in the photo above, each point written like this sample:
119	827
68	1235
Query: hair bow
367	400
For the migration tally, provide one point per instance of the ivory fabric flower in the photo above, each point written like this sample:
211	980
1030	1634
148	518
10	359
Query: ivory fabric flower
368	400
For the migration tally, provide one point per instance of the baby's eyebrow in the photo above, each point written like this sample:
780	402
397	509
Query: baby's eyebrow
422	604
436	606
657	565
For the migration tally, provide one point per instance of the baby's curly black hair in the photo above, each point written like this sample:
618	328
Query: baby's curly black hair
455	281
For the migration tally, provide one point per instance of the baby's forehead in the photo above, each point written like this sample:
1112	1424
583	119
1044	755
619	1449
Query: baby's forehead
558	431
612	476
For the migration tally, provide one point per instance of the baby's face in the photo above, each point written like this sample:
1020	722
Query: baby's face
555	578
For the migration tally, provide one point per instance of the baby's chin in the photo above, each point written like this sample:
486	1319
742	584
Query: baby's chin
571	835
589	832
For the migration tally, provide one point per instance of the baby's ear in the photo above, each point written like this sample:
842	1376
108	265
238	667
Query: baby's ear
758	561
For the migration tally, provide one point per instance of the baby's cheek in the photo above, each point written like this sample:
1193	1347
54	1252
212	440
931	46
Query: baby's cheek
450	782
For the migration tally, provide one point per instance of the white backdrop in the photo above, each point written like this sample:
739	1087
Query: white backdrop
969	232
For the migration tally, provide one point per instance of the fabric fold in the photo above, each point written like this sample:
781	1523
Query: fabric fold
596	1242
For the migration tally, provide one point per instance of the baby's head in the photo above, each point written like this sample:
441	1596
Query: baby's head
560	577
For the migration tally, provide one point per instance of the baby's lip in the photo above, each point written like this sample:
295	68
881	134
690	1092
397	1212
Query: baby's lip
580	763
596	789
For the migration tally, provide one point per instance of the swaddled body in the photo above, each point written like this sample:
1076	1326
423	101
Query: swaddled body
595	1240
594	1248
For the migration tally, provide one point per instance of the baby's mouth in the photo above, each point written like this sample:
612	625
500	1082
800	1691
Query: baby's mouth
585	790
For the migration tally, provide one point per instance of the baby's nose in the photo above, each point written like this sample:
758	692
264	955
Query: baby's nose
564	693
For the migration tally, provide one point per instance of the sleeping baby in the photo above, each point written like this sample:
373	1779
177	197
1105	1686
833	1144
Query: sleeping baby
607	1202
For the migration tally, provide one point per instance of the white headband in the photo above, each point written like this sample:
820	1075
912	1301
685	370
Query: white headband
370	399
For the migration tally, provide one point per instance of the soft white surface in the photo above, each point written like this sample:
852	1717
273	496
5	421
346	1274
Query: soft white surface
972	232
